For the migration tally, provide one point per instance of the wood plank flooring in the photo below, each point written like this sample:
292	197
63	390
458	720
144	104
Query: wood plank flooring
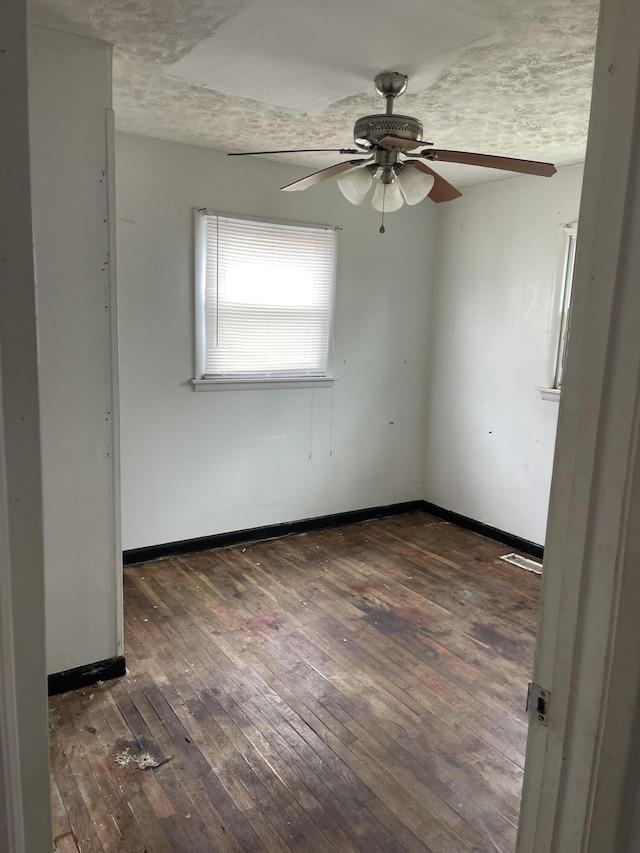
357	689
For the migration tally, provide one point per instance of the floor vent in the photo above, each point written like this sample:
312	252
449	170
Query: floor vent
523	563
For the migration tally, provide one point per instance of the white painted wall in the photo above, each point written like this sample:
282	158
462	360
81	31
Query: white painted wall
490	436
196	464
70	93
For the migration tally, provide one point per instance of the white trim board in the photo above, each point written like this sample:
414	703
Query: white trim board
581	776
25	817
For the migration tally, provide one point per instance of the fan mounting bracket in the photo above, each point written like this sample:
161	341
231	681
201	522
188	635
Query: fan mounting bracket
391	84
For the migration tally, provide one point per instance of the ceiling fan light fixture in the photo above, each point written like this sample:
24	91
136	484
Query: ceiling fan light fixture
387	197
355	185
388	139
414	185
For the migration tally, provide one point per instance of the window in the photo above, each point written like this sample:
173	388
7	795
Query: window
264	295
567	273
560	312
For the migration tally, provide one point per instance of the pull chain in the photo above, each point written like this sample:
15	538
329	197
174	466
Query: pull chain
384	195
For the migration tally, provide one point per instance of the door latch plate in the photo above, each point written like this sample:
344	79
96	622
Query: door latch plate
538	702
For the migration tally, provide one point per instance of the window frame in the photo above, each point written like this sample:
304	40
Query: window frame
202	383
559	315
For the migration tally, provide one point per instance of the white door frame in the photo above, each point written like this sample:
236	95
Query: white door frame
25	815
577	770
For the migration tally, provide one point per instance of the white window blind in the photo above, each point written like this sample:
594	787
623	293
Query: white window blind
268	292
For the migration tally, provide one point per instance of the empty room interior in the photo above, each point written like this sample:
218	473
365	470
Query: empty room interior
289	437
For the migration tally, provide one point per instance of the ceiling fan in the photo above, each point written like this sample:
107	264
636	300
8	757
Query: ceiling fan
399	177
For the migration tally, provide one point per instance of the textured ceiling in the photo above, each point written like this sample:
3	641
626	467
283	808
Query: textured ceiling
525	93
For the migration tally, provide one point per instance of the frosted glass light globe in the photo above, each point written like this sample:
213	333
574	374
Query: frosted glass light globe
355	185
389	195
415	185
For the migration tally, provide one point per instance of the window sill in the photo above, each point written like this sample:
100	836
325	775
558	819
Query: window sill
261	384
552	394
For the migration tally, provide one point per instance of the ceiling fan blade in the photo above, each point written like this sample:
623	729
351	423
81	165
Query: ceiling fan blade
510	164
294	151
442	190
323	174
399	142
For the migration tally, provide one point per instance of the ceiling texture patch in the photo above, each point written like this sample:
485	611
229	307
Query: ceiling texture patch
306	56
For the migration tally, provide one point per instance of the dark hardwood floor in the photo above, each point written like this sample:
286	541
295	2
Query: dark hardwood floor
358	689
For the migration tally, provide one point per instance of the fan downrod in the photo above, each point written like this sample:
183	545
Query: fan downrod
369	130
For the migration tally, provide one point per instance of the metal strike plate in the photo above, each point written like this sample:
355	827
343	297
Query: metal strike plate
538	701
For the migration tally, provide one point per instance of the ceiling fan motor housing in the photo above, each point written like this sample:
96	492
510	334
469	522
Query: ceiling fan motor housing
369	130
